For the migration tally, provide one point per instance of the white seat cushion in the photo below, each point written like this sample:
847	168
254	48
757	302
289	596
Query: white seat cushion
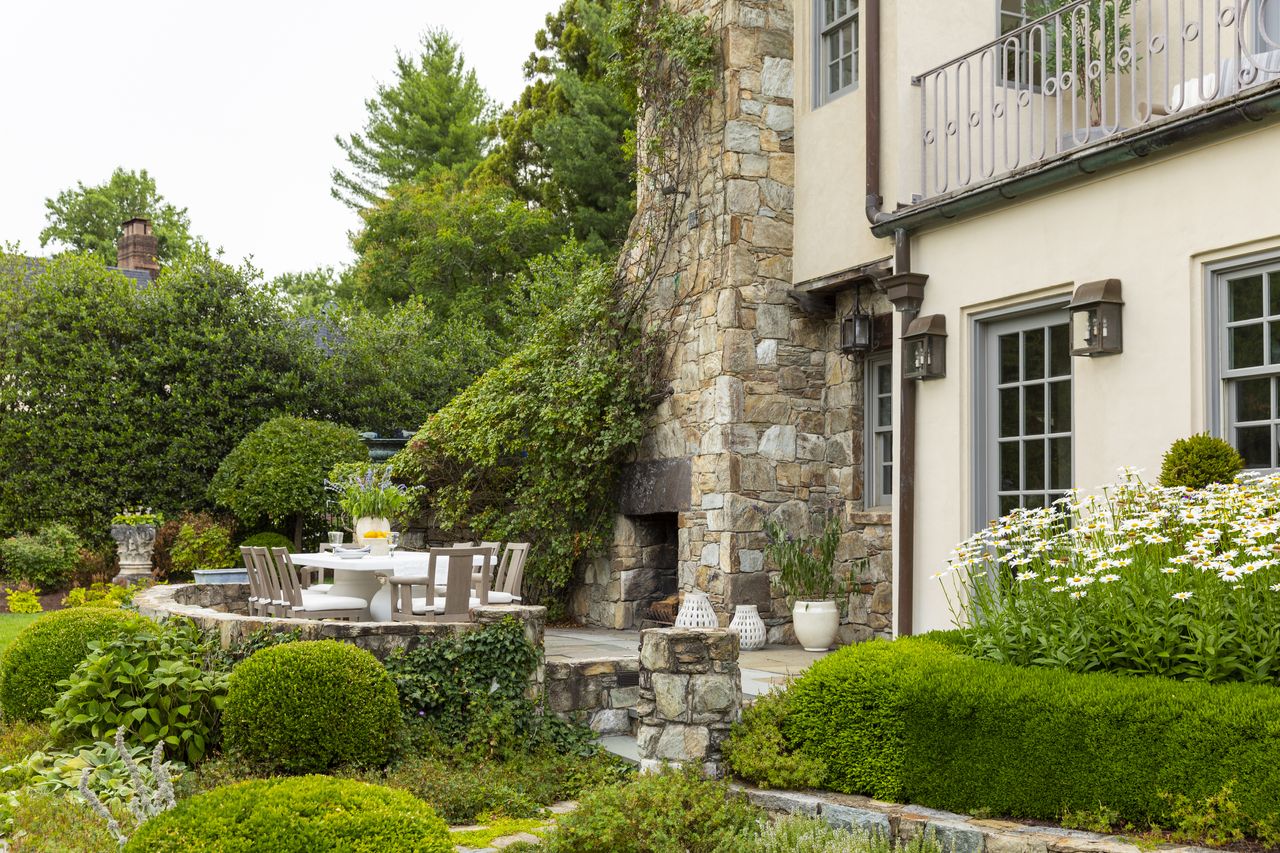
496	597
325	601
421	608
320	587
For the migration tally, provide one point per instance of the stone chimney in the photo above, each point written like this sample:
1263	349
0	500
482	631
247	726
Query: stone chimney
137	247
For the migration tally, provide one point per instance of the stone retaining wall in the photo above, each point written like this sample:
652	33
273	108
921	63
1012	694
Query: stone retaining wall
599	692
223	608
957	833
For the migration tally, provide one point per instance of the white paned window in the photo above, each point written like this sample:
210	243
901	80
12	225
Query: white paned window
878	471
837	49
1249	361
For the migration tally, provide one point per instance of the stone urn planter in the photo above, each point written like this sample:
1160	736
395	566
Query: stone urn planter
134	546
815	624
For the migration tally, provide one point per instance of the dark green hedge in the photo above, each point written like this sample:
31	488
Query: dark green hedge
914	721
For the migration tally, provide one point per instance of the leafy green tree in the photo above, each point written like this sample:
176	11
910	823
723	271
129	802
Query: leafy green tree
531	451
434	117
88	219
564	142
456	245
391	370
309	291
113	395
277	472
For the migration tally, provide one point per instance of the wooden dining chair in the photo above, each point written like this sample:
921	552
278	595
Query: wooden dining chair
304	603
510	576
259	600
450	570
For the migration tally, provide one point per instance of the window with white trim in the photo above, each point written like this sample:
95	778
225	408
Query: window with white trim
878	421
837	48
1249	361
1020	60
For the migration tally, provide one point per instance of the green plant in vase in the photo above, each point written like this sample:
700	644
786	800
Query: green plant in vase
367	495
805	567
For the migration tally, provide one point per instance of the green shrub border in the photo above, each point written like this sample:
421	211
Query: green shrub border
915	721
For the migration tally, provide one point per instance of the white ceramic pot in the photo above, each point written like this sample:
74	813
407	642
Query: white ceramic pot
367	523
815	623
750	627
696	612
377	546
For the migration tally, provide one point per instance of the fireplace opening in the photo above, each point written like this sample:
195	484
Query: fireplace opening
650	588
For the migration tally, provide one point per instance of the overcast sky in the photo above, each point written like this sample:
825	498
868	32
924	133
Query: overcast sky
232	106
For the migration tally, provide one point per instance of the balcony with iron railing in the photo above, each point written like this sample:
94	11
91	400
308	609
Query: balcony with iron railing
1088	74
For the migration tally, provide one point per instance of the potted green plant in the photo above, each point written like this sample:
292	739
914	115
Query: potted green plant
805	575
134	532
371	501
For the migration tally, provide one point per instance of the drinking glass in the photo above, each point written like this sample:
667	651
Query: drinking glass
335	538
393	541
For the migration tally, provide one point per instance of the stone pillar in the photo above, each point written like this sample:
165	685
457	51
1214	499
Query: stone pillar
690	694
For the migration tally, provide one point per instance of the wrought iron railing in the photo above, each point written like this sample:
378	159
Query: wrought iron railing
1083	73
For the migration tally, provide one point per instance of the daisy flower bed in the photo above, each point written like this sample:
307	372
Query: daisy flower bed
1136	579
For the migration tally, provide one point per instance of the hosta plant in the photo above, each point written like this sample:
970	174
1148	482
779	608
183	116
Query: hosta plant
1136	579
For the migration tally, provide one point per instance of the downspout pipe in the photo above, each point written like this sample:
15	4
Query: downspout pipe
905	290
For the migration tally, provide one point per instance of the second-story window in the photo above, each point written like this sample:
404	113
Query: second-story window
837	47
1019	63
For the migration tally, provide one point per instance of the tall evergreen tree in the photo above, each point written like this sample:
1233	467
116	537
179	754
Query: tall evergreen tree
563	142
434	117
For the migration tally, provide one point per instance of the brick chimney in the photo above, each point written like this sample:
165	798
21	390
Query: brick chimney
137	247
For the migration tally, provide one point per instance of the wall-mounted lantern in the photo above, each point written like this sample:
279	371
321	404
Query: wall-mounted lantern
857	330
1095	319
924	348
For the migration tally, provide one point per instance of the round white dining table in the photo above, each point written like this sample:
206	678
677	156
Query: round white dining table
359	576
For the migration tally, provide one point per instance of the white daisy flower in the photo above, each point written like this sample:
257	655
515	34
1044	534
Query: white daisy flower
1080	593
1109	578
1182	596
1026	576
1079	580
1056	588
1230	574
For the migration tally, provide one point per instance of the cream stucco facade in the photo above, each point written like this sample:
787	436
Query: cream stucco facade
1160	224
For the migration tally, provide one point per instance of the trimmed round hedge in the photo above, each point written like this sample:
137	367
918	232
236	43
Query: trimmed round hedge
308	706
297	815
48	650
267	539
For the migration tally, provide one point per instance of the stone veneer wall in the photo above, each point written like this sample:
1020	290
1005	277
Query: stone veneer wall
599	692
763	404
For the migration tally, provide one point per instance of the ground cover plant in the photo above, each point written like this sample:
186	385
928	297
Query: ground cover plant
1138	580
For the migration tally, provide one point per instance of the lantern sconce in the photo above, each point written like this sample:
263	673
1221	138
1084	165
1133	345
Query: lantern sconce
1095	319
924	348
857	330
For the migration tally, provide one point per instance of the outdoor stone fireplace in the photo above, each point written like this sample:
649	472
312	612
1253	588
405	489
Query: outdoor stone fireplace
763	415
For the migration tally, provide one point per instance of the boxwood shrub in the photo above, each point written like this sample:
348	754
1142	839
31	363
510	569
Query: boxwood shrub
296	815
48	650
308	706
915	721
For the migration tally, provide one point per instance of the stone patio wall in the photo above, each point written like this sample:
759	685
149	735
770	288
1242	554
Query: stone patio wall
599	692
223	608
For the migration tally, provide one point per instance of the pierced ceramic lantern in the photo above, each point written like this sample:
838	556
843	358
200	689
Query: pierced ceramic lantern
749	627
696	612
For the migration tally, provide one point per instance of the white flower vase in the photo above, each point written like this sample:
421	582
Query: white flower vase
696	612
750	627
367	523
